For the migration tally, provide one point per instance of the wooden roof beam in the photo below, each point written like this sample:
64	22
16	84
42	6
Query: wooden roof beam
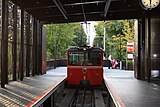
84	15
108	2
61	9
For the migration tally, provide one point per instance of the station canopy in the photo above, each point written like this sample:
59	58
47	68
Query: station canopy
66	11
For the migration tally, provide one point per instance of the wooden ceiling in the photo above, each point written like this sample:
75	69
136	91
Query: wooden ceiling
65	11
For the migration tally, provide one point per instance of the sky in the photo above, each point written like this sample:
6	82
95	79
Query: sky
90	31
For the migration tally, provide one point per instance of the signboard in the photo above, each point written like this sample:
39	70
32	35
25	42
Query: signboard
130	56
130	50
130	47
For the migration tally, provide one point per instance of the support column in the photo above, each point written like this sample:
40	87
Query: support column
142	49
38	48
4	44
137	26
148	66
44	31
34	49
28	46
22	47
140	54
14	42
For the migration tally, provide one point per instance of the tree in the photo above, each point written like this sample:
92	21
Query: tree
65	35
118	32
60	33
81	36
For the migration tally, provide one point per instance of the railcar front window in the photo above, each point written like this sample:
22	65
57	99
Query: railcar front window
76	58
93	58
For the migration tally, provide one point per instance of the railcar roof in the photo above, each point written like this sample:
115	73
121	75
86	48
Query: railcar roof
79	48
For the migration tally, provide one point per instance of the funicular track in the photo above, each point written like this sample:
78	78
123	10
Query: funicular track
83	98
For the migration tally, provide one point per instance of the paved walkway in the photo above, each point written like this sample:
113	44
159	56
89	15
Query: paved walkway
125	89
30	91
130	92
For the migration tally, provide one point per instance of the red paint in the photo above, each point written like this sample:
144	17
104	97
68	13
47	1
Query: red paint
115	95
38	98
85	63
94	74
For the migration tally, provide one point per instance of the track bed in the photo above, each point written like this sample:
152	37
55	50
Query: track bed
82	97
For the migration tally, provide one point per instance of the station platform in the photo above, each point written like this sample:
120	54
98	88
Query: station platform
33	90
126	91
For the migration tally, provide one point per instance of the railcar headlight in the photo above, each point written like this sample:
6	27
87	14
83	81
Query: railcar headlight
84	70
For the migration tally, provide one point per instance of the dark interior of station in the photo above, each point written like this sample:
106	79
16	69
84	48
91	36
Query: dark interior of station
29	43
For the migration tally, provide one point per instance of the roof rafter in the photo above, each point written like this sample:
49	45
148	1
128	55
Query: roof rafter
61	9
108	2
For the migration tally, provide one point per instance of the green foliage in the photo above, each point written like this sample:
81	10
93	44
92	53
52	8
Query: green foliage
81	36
118	32
65	35
129	65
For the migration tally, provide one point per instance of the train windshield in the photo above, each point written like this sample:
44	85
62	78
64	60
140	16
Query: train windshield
93	58
76	58
89	58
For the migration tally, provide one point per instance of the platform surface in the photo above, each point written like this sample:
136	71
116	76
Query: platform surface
126	90
130	92
26	93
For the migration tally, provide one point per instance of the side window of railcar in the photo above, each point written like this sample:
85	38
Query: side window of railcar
76	58
93	58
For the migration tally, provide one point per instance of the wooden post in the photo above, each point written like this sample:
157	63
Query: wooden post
149	50
22	47
4	44
28	46
34	49
14	42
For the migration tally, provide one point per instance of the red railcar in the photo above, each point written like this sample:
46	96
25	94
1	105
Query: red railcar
85	66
